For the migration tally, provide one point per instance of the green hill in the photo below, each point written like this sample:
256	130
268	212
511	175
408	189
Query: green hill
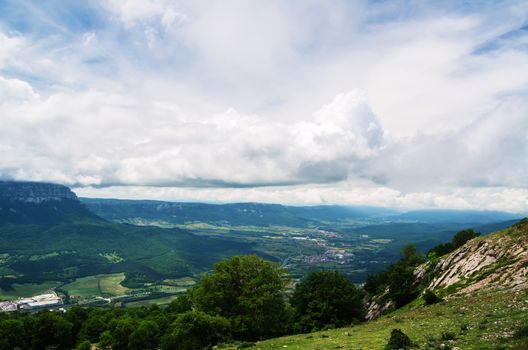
47	235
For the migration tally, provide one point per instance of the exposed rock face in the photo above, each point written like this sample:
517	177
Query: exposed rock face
496	261
376	306
34	192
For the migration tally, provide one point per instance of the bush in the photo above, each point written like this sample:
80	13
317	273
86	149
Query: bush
522	332
430	298
447	336
398	340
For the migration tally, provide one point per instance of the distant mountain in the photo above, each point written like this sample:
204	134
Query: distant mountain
256	214
47	234
40	204
259	214
457	216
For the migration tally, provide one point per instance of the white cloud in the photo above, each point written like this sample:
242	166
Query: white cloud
14	91
315	98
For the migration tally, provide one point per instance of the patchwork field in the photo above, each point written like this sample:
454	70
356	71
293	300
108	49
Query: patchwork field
26	290
96	286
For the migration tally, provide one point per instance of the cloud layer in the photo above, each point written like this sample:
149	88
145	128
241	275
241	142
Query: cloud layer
357	102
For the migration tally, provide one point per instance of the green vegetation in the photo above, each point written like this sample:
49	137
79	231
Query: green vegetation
398	340
397	283
95	286
458	241
27	289
247	291
479	321
325	299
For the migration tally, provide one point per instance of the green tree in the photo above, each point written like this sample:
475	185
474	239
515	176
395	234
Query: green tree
181	304
92	328
145	336
195	330
84	345
121	331
49	329
326	299
248	291
463	236
12	334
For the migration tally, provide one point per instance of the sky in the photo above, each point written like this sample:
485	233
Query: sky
412	104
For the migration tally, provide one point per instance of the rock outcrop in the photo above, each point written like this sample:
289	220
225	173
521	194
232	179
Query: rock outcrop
34	192
497	261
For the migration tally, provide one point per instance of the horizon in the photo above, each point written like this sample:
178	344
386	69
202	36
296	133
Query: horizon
354	103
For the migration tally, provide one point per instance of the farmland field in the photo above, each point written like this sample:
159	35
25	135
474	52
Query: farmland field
98	285
27	290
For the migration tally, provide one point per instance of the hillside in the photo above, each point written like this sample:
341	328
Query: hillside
485	288
48	237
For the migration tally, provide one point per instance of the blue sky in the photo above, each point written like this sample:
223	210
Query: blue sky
395	103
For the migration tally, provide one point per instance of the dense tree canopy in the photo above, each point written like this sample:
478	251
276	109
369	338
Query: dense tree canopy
326	299
248	291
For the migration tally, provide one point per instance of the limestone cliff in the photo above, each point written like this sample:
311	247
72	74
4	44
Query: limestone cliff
34	192
495	261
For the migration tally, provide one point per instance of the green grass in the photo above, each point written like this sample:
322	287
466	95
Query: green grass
98	285
478	322
27	290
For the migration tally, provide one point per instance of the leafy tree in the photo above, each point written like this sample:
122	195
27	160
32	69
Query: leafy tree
457	241
12	334
105	341
180	305
93	327
120	331
402	289
398	340
326	299
398	279
195	330
49	329
145	336
463	236
84	345
248	291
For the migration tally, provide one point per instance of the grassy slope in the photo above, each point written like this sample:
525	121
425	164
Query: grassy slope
489	318
481	320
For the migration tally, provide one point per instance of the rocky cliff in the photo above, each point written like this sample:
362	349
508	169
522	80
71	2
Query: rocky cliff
498	261
34	192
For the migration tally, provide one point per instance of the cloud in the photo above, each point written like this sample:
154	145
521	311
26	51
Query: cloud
285	100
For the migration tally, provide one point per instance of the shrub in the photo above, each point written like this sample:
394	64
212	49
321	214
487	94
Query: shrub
448	336
398	340
430	297
522	332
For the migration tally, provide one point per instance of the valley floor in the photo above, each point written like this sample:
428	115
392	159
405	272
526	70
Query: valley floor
479	321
